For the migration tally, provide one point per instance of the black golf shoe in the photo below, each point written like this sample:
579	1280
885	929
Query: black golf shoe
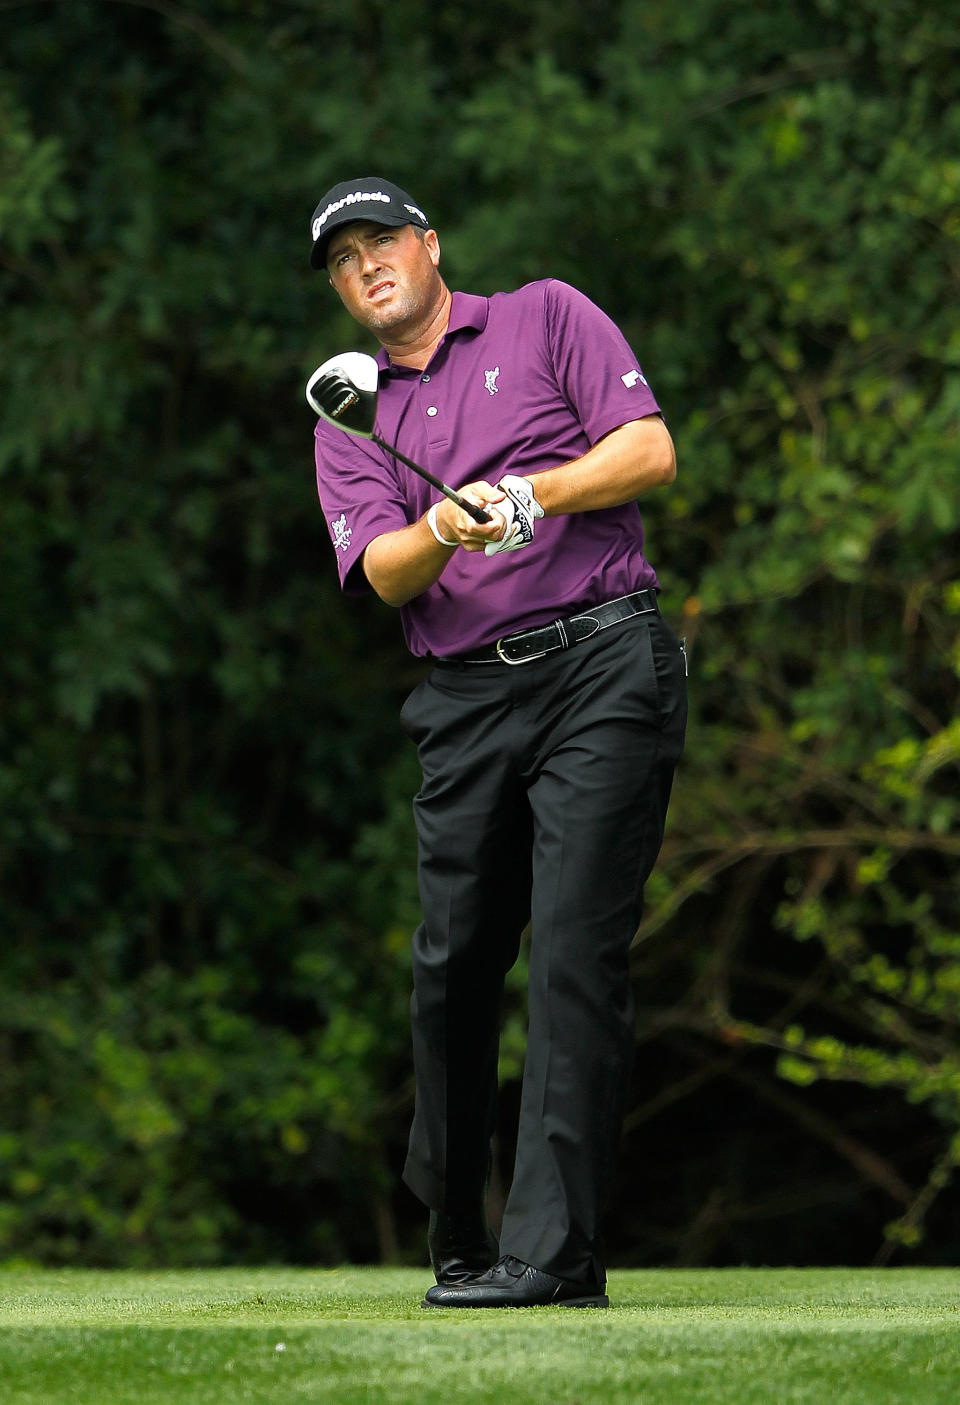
461	1246
512	1283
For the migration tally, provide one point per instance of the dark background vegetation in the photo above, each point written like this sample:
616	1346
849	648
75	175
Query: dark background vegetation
206	860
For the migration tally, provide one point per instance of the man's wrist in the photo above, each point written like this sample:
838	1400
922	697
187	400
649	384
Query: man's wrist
432	524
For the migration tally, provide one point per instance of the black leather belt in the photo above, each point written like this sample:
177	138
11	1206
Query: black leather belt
530	644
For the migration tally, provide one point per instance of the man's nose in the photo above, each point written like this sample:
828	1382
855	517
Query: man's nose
369	260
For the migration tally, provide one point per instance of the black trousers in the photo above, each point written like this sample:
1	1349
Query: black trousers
545	789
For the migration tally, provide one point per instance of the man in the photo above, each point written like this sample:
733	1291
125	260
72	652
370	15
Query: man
548	728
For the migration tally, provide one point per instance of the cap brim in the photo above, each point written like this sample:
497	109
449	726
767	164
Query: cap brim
318	254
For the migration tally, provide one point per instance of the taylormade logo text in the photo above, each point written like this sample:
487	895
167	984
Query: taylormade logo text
353	198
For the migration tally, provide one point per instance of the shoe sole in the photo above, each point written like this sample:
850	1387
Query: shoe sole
565	1302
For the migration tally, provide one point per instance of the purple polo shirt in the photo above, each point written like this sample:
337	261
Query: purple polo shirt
521	382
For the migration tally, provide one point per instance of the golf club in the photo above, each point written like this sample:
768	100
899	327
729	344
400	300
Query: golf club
344	391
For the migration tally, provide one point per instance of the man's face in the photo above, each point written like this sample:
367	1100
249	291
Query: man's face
387	278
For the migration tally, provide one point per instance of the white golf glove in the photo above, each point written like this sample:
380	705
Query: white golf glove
521	510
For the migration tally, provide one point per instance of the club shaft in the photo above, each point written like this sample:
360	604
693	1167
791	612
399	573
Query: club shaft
477	513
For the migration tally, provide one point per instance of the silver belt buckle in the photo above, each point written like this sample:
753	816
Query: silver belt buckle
514	663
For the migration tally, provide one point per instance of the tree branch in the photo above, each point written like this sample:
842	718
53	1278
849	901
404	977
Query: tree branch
187	19
868	1163
730	850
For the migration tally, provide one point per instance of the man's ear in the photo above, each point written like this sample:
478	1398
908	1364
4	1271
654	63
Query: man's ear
432	245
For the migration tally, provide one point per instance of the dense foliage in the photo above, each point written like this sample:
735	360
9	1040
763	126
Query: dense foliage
206	865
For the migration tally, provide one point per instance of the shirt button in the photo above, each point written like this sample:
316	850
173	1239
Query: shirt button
431	410
425	379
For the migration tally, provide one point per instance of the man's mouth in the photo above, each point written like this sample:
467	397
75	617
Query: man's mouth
381	287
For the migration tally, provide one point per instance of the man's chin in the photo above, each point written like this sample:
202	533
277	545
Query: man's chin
384	319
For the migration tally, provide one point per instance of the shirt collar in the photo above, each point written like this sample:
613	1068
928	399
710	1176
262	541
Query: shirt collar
468	312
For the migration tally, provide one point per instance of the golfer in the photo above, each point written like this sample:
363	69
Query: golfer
548	726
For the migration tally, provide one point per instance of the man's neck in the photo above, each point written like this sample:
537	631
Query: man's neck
416	349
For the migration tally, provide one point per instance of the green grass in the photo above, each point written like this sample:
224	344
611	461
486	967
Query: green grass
824	1336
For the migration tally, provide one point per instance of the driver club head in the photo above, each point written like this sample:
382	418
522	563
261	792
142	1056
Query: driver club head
344	389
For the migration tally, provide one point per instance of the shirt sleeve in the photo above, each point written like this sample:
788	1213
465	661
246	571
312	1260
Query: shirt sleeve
360	497
596	369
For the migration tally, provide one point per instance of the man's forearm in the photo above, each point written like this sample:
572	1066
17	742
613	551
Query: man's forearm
404	563
623	465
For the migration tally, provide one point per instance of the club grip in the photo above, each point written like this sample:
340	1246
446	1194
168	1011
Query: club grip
477	513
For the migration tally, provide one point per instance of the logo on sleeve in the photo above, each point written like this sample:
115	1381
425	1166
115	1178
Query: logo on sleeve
490	380
341	533
631	378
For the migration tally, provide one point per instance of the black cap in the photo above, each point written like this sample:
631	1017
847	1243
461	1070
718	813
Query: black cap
366	198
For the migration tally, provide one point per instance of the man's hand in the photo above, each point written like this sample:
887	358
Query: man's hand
520	510
459	529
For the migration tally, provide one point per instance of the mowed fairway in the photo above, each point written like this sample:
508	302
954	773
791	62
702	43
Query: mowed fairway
831	1336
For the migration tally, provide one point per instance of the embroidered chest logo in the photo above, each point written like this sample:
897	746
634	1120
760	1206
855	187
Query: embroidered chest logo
490	380
341	533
